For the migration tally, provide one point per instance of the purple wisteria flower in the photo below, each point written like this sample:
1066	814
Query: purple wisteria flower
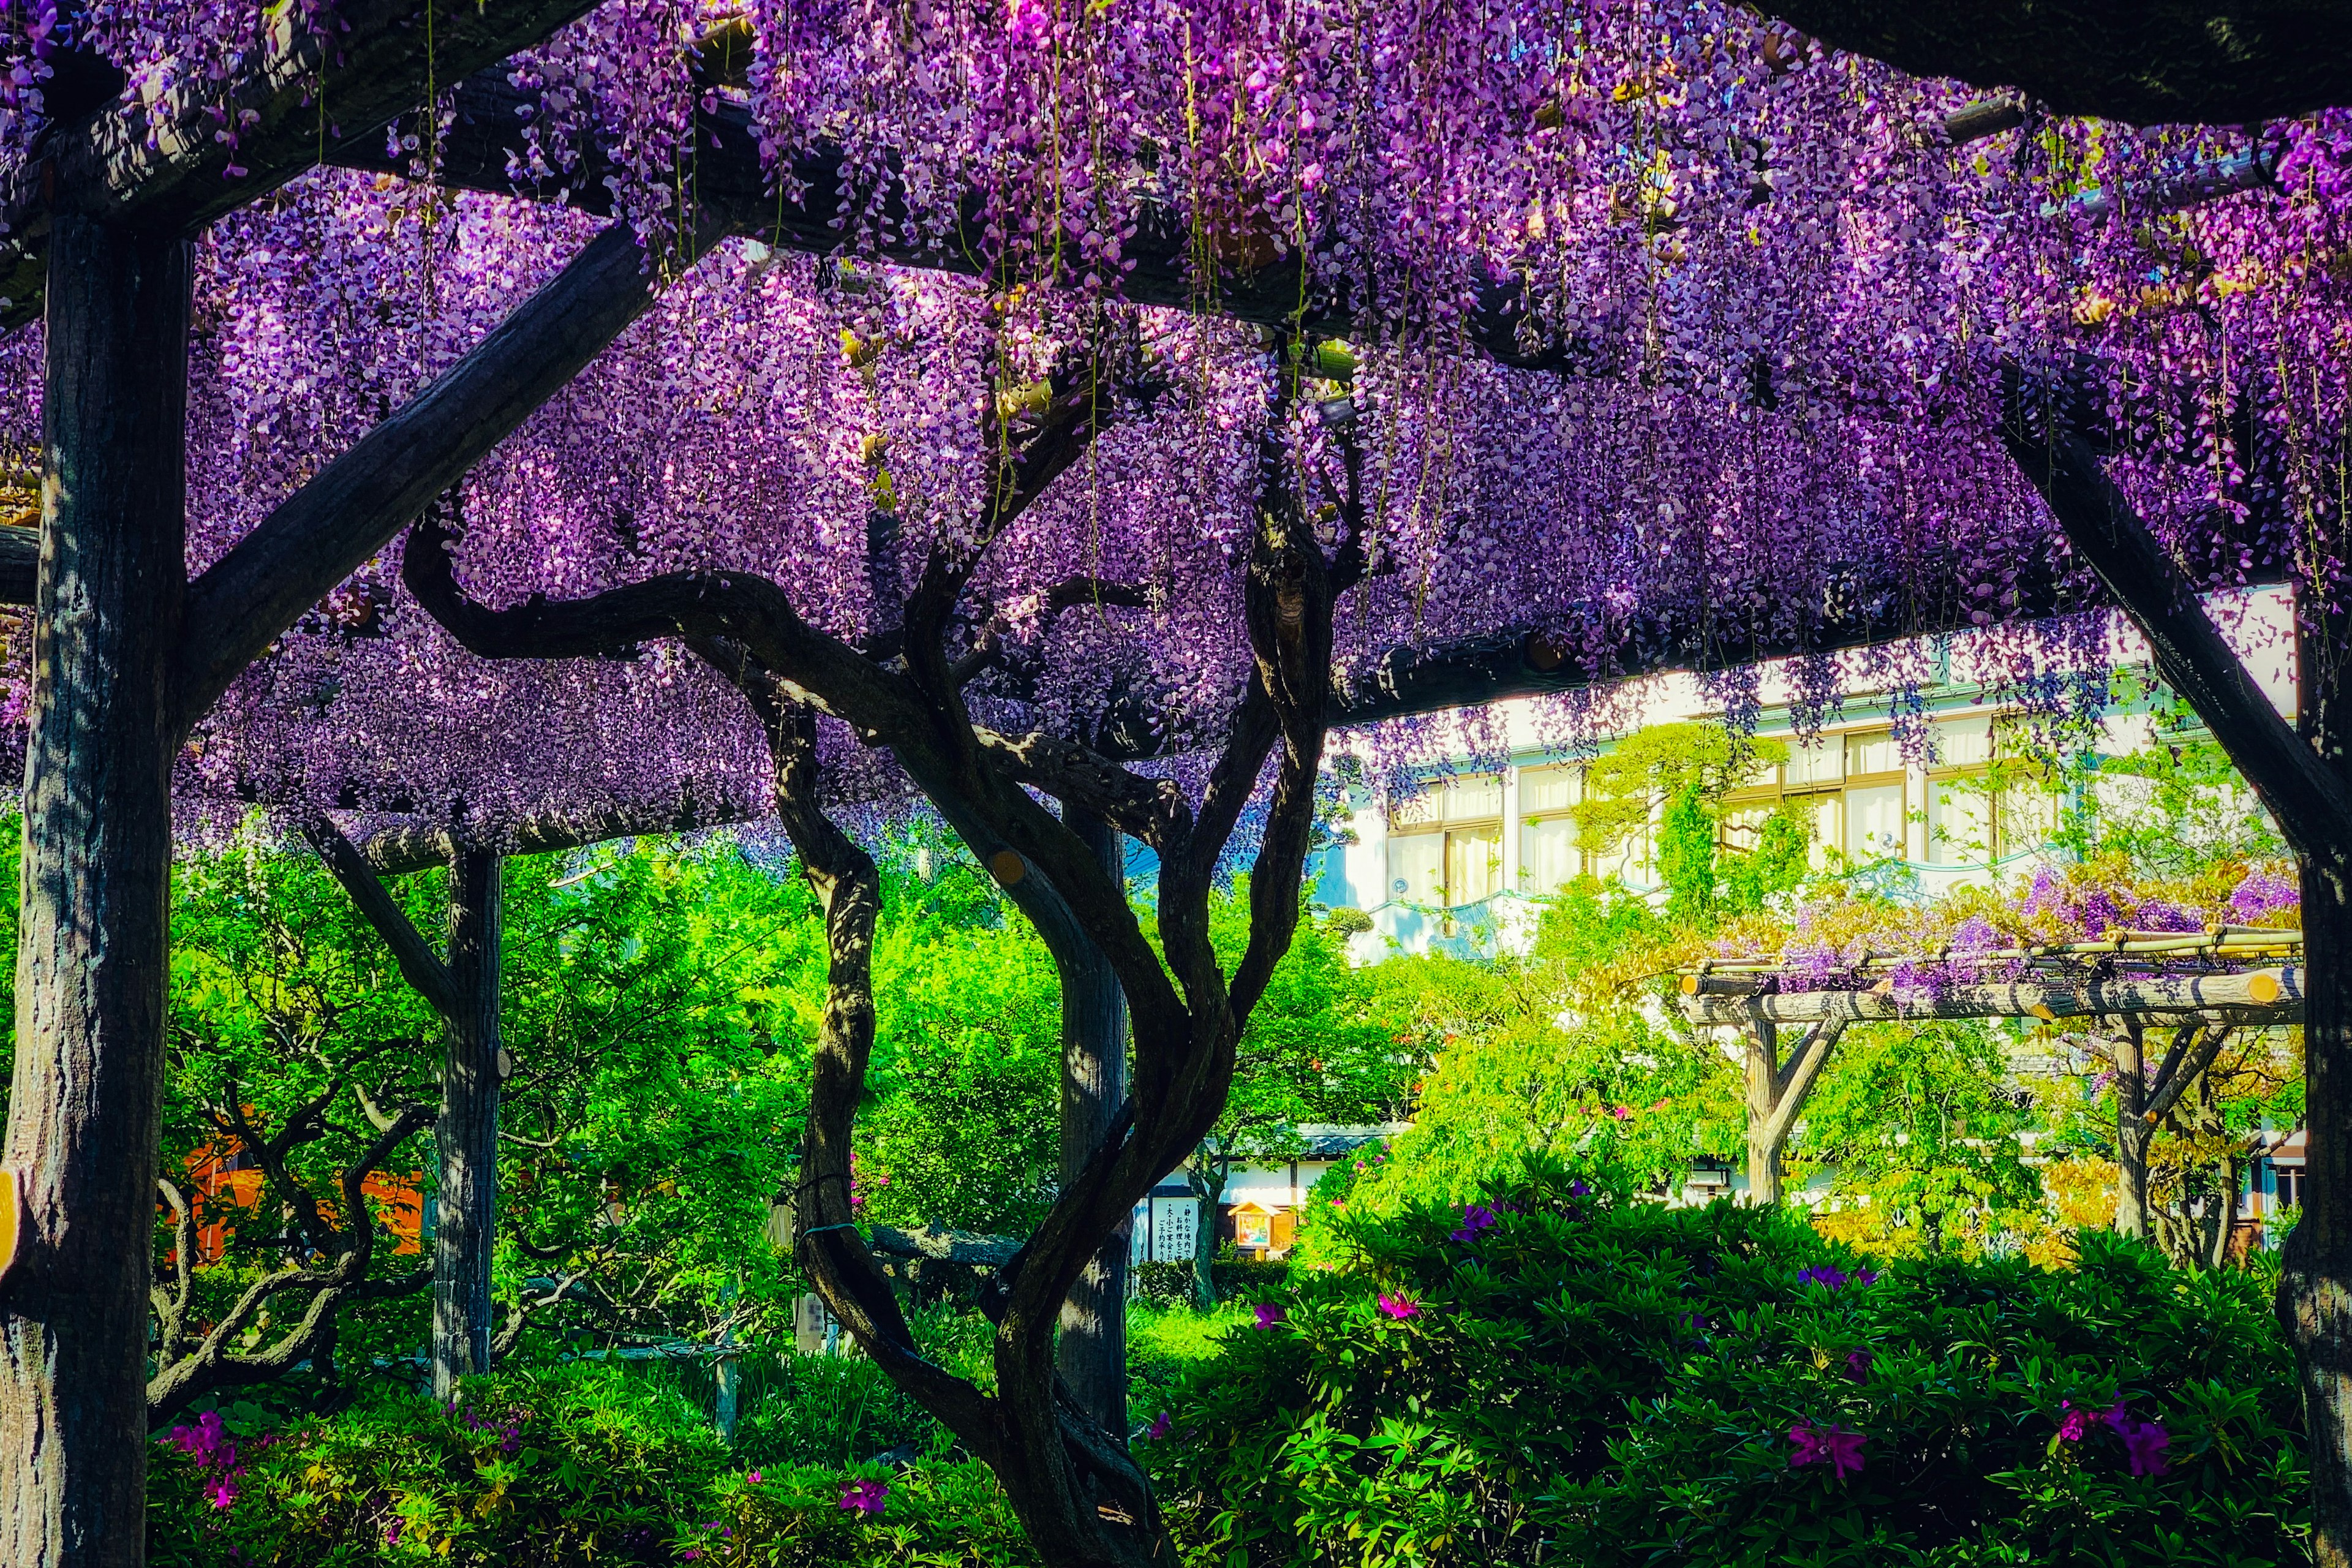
2260	892
1840	1448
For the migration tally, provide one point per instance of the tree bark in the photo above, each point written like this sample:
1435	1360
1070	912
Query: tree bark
91	956
466	1136
1092	1349
1207	1177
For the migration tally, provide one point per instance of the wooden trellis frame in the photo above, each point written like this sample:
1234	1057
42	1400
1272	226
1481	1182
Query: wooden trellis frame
2133	980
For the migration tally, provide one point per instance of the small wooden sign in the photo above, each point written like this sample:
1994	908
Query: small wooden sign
1007	867
12	1219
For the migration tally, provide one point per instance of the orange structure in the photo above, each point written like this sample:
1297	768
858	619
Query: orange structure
224	1180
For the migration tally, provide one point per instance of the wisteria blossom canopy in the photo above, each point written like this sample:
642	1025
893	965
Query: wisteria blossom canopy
1663	328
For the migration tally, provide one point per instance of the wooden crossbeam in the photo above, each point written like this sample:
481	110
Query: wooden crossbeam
155	164
2254	996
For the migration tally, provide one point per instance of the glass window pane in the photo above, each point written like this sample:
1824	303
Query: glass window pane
1959	822
1473	863
1474	799
1963	743
1873	824
1874	752
1421	807
1416	868
1547	856
1828	827
1549	789
1818	763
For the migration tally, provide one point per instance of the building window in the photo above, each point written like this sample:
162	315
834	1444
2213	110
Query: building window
1549	857
2290	1186
1446	843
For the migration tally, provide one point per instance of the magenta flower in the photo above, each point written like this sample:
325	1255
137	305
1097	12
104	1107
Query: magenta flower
1840	1447
2146	1442
221	1490
754	1478
1399	1307
1268	1314
2075	1425
1159	1427
1578	1189
866	1496
1476	1219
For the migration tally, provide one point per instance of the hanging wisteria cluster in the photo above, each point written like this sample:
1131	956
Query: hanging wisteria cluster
1665	329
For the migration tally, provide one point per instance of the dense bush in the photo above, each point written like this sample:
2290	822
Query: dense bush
536	1470
1569	1377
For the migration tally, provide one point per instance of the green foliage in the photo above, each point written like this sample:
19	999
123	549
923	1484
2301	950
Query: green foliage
529	1469
587	1464
1923	1138
1596	1381
1549	1055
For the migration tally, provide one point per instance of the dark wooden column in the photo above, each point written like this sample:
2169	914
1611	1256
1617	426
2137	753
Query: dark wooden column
466	1136
90	954
1092	1351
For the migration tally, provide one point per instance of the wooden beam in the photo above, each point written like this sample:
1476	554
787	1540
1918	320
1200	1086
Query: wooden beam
2260	996
155	165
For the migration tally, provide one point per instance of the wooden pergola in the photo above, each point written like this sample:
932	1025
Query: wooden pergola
2203	986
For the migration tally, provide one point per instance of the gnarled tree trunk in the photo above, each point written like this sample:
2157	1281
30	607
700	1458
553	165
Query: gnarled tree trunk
1092	1351
91	953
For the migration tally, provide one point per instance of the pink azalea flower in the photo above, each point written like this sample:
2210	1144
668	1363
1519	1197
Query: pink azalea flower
866	1496
2075	1425
1399	1307
754	1478
221	1490
1841	1447
1268	1314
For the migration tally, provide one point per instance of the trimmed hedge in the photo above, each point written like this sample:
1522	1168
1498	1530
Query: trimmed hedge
1571	1377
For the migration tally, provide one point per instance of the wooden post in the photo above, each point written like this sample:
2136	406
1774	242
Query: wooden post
1092	1349
2132	1130
466	1136
1763	1083
1777	1091
86	1110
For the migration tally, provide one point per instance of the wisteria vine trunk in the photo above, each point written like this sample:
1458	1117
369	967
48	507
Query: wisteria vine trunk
1078	1492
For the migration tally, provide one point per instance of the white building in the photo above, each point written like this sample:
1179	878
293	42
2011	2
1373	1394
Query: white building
1466	859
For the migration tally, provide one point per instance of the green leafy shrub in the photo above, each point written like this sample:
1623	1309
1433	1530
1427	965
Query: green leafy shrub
1245	1277
1164	1284
938	1516
826	1410
531	1469
1571	1377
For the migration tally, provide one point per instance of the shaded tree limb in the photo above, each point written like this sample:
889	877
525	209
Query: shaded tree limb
210	1366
